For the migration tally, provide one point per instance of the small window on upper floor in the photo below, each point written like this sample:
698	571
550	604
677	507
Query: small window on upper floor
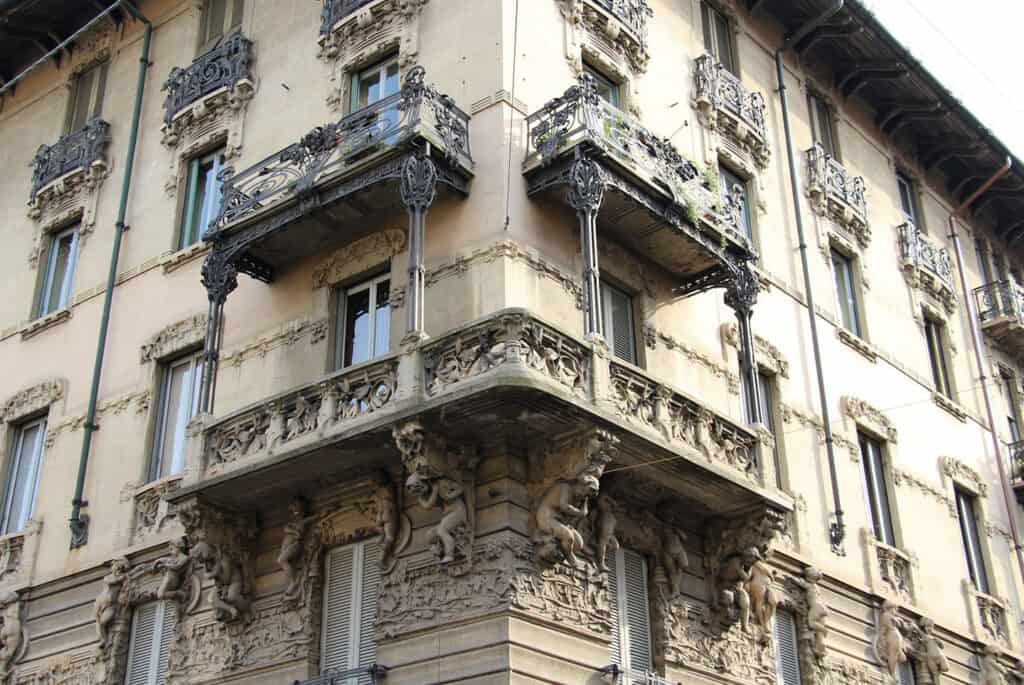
152	630
1012	399
220	18
362	321
374	83
202	197
86	97
607	89
935	338
718	36
351	578
847	300
630	647
968	518
22	477
729	183
876	490
908	199
822	125
61	259
178	403
617	316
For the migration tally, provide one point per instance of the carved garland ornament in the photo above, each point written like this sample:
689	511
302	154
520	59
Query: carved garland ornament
175	338
32	399
359	256
767	354
958	471
875	419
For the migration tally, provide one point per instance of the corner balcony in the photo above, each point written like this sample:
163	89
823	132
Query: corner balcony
657	202
927	265
220	73
837	194
725	105
478	382
1001	313
1016	451
78	153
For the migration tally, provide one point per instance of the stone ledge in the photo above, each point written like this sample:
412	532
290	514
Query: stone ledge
866	349
37	326
172	260
950	406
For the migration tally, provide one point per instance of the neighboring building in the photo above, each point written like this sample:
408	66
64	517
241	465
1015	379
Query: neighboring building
467	341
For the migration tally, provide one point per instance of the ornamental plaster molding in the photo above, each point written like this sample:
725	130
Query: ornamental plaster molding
18	554
653	336
174	338
285	335
70	199
864	414
359	256
14	637
956	471
767	354
33	399
151	511
891	570
371	31
139	400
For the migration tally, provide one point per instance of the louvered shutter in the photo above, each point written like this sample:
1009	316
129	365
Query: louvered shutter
368	606
152	630
787	659
615	648
618	322
352	580
167	626
631	638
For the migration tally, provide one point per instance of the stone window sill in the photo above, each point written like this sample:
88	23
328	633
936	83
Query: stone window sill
37	326
866	349
950	406
174	260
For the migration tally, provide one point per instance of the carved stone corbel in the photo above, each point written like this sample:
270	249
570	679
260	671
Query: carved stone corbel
219	542
13	634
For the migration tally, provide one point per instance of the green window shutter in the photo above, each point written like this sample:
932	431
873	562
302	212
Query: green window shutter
352	579
787	658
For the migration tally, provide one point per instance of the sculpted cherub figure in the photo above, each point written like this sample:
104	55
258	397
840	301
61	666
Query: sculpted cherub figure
228	594
991	672
892	644
447	494
107	602
11	637
290	555
386	516
817	612
173	566
605	527
763	598
734	576
560	510
934	660
674	558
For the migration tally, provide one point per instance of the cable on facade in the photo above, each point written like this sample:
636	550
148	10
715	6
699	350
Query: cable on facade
511	114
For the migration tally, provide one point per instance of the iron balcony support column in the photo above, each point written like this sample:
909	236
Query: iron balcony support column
418	189
586	191
220	277
740	296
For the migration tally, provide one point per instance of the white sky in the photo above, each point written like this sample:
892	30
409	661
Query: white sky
973	48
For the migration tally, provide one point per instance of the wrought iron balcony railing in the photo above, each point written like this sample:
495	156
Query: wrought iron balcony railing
834	182
723	91
998	300
918	251
76	150
1016	450
221	67
417	112
632	13
335	10
365	675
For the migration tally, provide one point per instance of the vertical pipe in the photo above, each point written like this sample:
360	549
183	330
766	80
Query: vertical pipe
79	522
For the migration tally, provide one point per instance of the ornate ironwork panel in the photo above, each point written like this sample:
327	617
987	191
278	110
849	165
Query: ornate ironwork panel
918	250
74	150
632	13
827	173
417	112
998	299
223	66
723	90
351	676
335	10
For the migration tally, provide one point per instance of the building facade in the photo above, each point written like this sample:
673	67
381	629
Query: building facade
468	341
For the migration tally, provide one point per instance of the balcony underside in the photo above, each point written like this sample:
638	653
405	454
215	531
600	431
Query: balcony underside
1006	331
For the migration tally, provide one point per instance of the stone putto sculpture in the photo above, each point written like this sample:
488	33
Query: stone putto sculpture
13	636
931	647
991	673
674	559
817	611
228	596
605	524
174	567
289	558
386	517
109	599
763	598
891	646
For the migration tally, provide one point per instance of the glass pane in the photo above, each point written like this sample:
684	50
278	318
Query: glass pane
83	97
391	84
58	273
972	546
723	38
357	327
764	389
620	324
728	181
705	16
236	14
216	9
100	88
175	417
208	196
382	316
906	198
24	474
189	218
369	88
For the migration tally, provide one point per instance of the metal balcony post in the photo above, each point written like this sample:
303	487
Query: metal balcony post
418	189
586	191
220	277
740	296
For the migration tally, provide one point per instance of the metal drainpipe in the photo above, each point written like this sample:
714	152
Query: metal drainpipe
972	316
80	522
837	529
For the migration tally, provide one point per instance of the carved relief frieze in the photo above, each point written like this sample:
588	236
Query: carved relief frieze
892	569
17	555
67	669
957	471
139	400
32	399
869	416
843	672
576	596
13	634
927	649
175	338
348	41
768	355
358	256
152	512
991	617
285	335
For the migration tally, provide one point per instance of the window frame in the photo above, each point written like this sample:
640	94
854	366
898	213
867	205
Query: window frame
614	87
935	335
1013	420
46	284
724	172
823	124
97	73
194	359
234	14
850	313
970	536
713	19
606	287
877	489
16	455
362	560
622	642
907	185
380	66
342	292
982	253
190	214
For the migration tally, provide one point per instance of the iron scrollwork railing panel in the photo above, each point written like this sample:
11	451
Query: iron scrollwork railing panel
632	13
364	675
417	110
1016	450
999	299
918	250
75	150
724	90
835	181
335	10
221	67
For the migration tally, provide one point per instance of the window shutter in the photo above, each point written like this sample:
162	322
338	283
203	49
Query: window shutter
152	630
618	322
615	648
352	580
787	659
638	621
170	622
368	606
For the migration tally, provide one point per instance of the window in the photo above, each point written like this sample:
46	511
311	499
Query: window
152	630
202	197
351	579
876	492
617	316
821	124
935	337
766	400
718	36
179	400
631	622
908	198
906	674
22	475
607	89
363	321
1012	410
374	83
984	268
87	97
220	17
61	258
972	541
787	652
846	292
728	182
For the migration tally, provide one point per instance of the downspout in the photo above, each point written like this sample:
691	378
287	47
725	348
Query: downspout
80	522
837	529
972	316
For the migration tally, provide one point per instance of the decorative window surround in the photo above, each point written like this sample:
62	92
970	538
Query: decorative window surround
891	570
364	36
725	106
18	555
866	416
927	266
174	339
36	326
359	256
195	124
151	512
943	402
866	349
176	259
596	32
955	472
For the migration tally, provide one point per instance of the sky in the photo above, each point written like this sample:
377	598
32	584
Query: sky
971	47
